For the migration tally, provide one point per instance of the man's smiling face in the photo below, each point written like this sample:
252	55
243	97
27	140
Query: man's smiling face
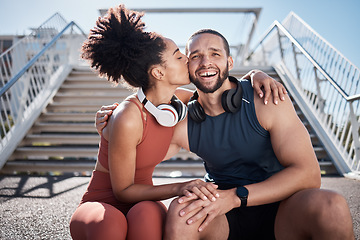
208	62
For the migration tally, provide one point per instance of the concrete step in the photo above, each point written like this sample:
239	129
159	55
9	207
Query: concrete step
240	71
320	153
99	98
79	88
168	168
76	151
65	138
82	74
67	117
56	152
64	127
84	79
73	107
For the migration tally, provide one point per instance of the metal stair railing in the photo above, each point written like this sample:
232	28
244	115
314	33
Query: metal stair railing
321	77
30	73
246	18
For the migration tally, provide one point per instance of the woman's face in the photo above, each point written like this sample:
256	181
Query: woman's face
175	64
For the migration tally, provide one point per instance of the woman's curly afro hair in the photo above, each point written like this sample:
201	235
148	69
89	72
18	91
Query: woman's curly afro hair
119	47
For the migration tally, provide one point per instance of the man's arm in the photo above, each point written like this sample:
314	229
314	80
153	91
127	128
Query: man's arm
293	148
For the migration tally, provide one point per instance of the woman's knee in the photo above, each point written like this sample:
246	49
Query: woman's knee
146	220
147	209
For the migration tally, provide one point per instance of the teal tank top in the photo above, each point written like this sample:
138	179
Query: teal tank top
235	148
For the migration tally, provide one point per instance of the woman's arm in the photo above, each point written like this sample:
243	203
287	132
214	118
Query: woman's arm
260	80
124	132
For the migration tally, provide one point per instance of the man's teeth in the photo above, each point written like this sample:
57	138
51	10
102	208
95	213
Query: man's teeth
207	74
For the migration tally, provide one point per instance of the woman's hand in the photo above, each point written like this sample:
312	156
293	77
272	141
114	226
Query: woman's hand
103	115
197	189
264	83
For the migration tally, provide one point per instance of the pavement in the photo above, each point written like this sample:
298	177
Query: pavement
40	207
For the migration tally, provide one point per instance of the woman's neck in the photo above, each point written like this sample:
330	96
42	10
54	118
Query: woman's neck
160	94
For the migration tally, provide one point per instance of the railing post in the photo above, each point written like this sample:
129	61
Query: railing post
280	44
298	70
264	55
321	100
355	132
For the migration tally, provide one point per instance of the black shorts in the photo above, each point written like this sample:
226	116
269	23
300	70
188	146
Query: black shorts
253	222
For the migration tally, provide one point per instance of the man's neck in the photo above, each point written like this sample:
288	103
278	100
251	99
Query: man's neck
211	102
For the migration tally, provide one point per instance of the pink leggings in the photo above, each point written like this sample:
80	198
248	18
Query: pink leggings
96	220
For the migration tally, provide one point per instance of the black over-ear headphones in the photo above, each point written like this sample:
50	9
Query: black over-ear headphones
230	100
167	115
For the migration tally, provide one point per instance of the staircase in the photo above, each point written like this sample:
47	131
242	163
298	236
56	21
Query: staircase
48	103
64	138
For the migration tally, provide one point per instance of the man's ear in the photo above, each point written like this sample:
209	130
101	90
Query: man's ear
230	62
156	72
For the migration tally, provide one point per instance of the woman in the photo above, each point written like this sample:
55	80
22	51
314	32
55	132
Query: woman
121	201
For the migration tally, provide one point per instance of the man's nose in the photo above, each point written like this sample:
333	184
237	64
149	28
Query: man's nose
205	61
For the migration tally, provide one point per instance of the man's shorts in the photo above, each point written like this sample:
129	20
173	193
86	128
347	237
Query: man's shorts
253	223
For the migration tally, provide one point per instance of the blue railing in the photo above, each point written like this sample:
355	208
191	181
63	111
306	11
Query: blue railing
30	72
325	79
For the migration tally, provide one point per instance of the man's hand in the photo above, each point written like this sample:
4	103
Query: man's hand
260	80
210	210
103	115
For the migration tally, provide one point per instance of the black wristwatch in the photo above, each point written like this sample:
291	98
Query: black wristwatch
242	193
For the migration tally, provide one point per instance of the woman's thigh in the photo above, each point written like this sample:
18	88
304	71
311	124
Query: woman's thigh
96	220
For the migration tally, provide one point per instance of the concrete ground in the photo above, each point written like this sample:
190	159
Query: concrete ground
40	207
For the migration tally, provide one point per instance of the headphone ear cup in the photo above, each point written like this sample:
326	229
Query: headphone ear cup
196	111
180	108
226	101
231	99
168	117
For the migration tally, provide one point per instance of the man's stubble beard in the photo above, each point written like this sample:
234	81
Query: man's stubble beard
219	82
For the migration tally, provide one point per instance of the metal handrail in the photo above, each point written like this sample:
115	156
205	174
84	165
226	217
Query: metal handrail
239	50
297	50
14	79
278	25
31	71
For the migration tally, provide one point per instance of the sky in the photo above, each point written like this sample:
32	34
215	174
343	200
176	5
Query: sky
338	21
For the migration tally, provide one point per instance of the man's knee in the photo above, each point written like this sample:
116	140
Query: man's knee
173	218
332	211
330	214
176	226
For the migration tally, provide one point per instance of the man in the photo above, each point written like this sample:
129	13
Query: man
260	156
265	163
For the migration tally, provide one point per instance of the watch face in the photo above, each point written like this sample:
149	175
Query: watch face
242	192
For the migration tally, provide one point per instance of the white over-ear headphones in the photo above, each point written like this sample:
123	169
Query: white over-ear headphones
167	115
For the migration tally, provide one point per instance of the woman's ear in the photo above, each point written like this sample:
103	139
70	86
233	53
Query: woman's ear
156	72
